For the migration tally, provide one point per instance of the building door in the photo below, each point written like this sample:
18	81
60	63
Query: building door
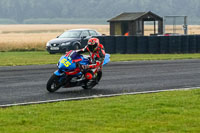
124	28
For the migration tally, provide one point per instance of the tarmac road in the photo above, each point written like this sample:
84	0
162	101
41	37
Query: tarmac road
21	84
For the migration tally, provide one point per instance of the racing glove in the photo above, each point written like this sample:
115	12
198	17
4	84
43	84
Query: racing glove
84	67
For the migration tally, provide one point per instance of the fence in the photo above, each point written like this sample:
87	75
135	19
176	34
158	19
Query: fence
151	44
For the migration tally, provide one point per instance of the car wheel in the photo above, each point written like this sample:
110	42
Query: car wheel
76	46
51	52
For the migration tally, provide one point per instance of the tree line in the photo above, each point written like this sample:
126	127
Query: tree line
26	11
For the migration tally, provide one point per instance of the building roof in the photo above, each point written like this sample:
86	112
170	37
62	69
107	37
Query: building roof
131	16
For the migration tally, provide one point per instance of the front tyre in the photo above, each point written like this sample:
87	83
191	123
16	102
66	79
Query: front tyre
53	83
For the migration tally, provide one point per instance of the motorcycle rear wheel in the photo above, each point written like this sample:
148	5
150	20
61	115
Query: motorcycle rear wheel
90	84
53	83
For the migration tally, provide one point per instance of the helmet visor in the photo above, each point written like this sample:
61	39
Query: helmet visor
92	47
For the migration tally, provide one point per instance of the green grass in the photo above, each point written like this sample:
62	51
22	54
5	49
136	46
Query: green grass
131	57
166	112
27	58
170	112
43	57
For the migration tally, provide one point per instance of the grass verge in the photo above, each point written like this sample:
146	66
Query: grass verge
132	57
43	57
173	112
27	58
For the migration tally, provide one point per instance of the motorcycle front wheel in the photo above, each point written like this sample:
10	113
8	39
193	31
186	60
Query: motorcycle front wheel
53	83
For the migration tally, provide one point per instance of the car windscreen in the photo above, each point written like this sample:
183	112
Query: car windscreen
70	34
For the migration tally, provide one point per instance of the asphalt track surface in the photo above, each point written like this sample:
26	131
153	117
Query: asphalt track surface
21	84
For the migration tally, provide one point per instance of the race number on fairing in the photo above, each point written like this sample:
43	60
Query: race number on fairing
65	62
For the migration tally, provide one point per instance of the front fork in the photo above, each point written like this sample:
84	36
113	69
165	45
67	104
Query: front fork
63	78
59	73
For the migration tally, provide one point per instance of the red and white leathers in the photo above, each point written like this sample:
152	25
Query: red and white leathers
97	54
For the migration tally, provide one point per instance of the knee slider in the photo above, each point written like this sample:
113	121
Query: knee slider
89	75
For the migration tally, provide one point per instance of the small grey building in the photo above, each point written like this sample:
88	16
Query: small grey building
133	23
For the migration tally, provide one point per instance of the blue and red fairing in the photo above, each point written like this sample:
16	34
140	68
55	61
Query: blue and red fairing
67	63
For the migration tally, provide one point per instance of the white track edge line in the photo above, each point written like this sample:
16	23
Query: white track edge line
94	96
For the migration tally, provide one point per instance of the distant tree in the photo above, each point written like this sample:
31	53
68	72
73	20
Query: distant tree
20	10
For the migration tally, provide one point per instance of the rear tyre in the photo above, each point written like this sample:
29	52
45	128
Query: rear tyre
99	75
53	83
89	85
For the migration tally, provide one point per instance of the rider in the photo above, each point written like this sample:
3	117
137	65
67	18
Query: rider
97	55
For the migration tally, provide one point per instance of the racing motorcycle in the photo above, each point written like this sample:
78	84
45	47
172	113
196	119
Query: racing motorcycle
70	73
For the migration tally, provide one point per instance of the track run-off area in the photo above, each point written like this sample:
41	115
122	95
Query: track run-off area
27	84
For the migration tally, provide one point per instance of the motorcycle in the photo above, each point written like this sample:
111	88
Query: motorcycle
70	73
